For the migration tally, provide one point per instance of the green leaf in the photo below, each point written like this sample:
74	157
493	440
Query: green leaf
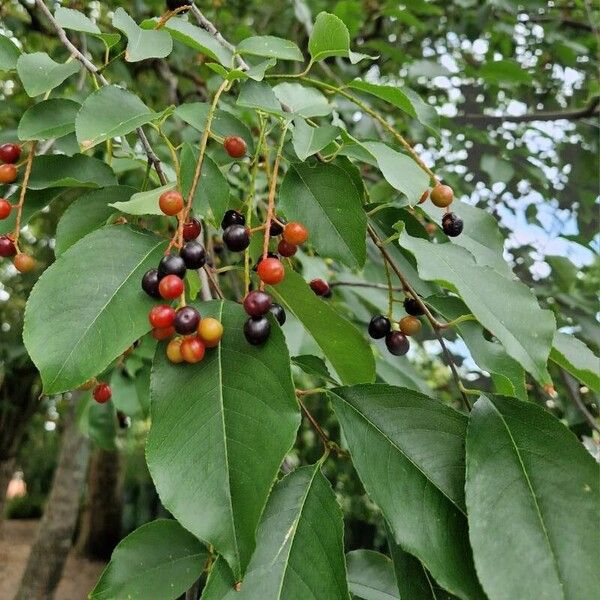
299	546
9	54
532	494
315	366
326	200
309	140
158	561
504	71
342	344
259	95
40	74
144	203
271	47
304	101
142	44
220	430
97	422
48	119
497	168
86	214
68	18
525	330
88	307
125	394
408	451
108	113
329	37
574	356
371	576
59	170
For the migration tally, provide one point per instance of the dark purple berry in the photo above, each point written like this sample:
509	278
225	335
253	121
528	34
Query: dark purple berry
320	287
397	343
452	224
194	255
275	229
412	307
232	217
150	283
236	238
191	230
175	4
257	304
186	320
171	265
379	327
257	330
278	312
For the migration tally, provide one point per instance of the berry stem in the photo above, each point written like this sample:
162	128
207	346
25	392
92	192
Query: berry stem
22	194
390	290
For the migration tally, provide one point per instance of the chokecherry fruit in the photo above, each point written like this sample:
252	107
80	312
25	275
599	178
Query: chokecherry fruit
210	332
8	173
278	312
424	196
102	393
235	146
269	255
271	271
171	202
257	304
163	333
191	230
171	265
397	343
150	282
171	287
320	287
379	327
174	351
286	249
24	263
10	153
442	195
7	247
232	217
192	349
186	320
236	238
276	228
5	208
452	224
161	316
413	308
410	325
257	330
194	255
295	233
175	4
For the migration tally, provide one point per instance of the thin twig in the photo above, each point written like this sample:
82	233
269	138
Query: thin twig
23	193
573	393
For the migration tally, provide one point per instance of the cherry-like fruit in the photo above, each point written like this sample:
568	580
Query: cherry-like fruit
171	202
379	327
10	153
5	209
194	255
278	312
413	308
210	332
171	287
186	320
235	146
161	316
163	333
8	173
275	229
452	224
442	195
171	265
320	287
232	217
397	343
193	349
150	282
236	238
7	247
257	330
286	249
257	304
24	263
191	230
295	233
271	271
410	325
424	197
174	351
102	393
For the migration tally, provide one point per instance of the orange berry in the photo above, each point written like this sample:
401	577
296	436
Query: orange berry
295	233
210	331
192	349
410	325
171	202
424	197
8	173
442	195
271	271
24	263
174	351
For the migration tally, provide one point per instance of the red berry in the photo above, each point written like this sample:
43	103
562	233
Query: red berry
320	287
442	195
10	153
192	349
295	233
5	208
171	287
162	316
257	304
191	230
102	393
235	146
424	196
271	271
24	263
171	202
163	333
7	247
286	249
8	173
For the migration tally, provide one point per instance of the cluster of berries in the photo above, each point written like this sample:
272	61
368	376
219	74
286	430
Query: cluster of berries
442	196
396	340
9	156
257	305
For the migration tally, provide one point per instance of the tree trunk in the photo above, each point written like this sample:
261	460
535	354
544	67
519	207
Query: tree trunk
7	468
100	529
55	534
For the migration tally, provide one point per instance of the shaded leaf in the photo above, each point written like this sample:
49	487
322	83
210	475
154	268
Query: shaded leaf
371	576
574	356
58	170
48	119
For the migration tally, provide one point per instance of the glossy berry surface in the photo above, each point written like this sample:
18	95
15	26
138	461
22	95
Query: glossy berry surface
191	230
171	202
257	330
186	320
171	287
286	249
163	333
410	325
194	255
412	307
275	229
236	238
171	265
271	271
257	304
397	343
150	283
162	316
102	393
232	217
452	225
442	195
10	153
278	312
174	351
7	247
320	287
379	327
192	349
5	209
8	173
210	332
24	263
295	233
235	146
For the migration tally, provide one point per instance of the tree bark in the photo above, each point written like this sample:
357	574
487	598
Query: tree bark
54	539
7	467
100	529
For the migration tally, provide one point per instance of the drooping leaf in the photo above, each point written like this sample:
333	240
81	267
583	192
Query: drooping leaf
270	47
143	203
39	73
228	422
59	170
574	356
371	576
342	344
408	451
315	366
309	140
302	100
326	200
48	119
158	561
88	307
532	495
9	54
299	548
142	44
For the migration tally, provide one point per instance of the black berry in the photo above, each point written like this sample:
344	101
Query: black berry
275	229
257	330
150	283
397	343
236	238
186	320
194	255
232	217
379	327
175	4
452	224
412	307
278	312
257	304
171	265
